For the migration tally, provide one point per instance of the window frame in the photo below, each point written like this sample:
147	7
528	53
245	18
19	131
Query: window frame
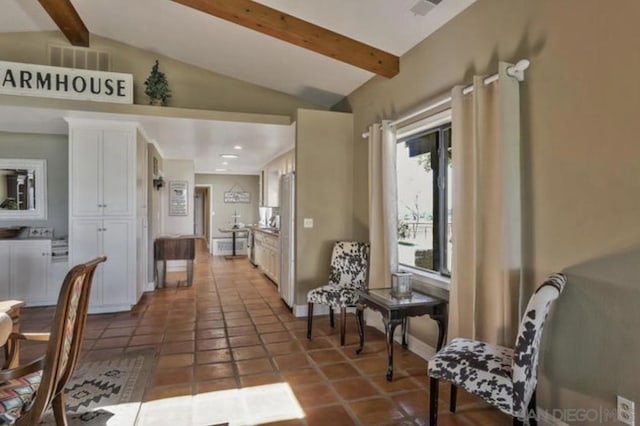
442	277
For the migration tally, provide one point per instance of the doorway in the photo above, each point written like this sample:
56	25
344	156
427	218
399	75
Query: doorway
202	212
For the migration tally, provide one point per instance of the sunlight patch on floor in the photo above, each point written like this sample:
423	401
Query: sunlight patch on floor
237	407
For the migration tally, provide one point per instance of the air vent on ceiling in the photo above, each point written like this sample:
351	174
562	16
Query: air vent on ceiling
422	7
79	57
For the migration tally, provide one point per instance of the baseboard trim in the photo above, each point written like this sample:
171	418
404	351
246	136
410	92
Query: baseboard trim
110	308
547	419
416	345
300	311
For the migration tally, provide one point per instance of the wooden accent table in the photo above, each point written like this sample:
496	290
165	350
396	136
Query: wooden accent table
181	247
12	308
396	311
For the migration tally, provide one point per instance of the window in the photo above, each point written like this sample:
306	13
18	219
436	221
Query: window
424	199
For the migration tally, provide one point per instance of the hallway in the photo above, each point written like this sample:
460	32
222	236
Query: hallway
231	331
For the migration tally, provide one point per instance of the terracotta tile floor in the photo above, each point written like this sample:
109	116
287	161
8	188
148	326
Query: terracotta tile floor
228	350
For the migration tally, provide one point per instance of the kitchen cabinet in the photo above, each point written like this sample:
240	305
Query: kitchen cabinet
101	165
24	271
103	219
267	254
112	286
270	178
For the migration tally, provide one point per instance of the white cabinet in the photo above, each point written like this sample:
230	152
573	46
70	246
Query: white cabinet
24	271
267	254
30	271
102	194
5	270
270	178
114	281
101	166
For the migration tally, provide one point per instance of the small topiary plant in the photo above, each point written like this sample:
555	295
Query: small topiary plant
157	86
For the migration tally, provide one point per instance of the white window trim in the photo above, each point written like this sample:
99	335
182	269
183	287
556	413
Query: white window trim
427	123
426	277
430	122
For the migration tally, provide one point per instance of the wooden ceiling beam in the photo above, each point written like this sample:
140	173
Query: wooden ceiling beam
293	30
67	19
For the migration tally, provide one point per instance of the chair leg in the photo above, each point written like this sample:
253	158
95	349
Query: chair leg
59	411
453	398
532	410
517	422
331	317
433	402
343	324
309	319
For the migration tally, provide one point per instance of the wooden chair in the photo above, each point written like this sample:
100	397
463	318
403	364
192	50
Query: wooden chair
27	391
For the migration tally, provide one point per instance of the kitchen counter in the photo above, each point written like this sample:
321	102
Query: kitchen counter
270	231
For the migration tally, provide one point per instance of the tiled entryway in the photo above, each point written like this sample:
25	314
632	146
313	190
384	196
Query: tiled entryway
230	351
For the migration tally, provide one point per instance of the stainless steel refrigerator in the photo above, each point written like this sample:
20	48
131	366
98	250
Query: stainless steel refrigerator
287	238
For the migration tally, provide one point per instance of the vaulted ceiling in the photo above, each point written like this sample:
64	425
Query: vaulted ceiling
364	36
317	50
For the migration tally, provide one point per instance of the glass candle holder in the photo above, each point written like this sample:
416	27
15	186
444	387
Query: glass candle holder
401	284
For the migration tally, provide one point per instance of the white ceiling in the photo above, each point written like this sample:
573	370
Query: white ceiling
202	141
170	29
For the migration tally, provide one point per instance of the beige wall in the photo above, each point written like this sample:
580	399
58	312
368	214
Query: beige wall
177	170
154	204
54	149
191	87
223	212
581	168
324	158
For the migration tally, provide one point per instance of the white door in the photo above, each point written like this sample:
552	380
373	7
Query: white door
86	244
118	177
198	212
29	272
85	172
118	280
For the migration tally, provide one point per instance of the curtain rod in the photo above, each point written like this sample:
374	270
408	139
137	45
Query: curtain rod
516	71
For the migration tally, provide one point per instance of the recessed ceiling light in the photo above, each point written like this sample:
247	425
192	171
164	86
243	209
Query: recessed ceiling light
238	147
224	163
228	156
221	170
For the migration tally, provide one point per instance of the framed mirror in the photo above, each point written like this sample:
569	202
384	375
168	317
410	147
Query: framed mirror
23	189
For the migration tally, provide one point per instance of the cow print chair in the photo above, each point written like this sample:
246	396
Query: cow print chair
505	378
348	273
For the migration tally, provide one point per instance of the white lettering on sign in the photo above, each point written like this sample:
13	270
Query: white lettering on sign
66	83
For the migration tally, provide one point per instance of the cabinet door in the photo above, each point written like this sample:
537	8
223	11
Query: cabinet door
29	272
5	269
118	275
85	166
119	179
86	244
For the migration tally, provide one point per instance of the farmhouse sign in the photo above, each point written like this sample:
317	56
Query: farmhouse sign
65	83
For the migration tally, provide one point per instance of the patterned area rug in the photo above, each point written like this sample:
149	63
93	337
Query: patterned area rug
107	392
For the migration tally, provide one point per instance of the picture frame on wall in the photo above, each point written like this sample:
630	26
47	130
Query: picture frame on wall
234	197
178	198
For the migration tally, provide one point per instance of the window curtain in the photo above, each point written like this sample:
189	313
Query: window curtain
486	277
383	221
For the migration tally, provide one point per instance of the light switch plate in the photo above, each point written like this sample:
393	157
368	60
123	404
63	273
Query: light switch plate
308	222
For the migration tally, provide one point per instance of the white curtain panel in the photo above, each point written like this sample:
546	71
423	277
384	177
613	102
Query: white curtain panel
487	261
383	214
